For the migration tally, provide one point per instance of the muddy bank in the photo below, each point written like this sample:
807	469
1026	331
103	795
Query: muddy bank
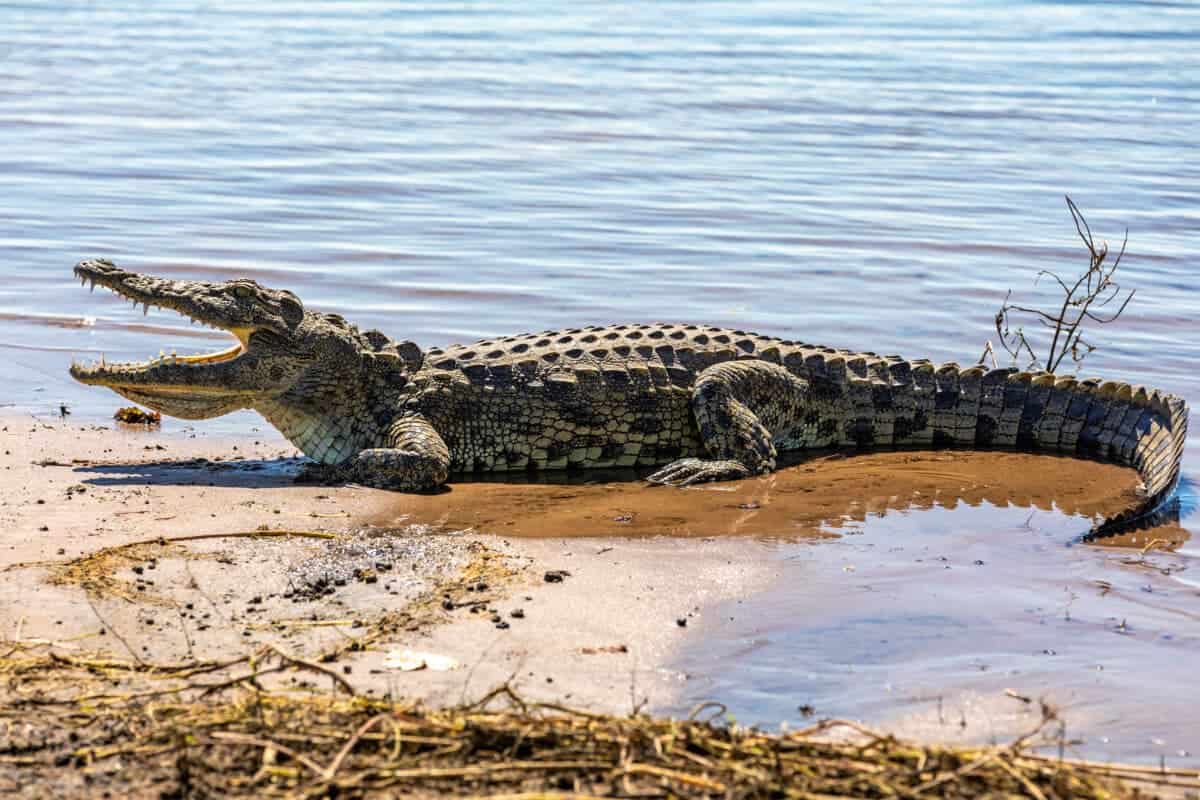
810	497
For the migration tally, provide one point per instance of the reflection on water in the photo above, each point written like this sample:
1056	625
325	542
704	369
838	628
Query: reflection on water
872	176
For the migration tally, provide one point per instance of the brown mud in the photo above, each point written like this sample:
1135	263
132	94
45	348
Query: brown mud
812	497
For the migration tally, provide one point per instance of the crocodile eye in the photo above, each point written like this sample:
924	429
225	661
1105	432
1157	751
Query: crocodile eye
291	306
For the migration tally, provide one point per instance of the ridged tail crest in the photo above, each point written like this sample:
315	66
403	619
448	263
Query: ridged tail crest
865	400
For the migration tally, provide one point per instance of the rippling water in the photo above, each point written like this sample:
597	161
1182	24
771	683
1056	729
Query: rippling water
865	175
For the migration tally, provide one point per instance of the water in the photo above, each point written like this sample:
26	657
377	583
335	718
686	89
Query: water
955	624
873	176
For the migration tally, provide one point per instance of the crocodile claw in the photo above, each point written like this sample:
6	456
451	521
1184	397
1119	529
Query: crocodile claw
687	471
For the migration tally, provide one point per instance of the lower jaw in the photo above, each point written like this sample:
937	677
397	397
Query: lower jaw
185	406
171	390
114	376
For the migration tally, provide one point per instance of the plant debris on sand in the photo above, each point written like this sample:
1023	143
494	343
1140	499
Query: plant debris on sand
238	740
132	415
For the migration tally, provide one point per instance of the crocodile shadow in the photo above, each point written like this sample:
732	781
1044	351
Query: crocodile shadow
244	473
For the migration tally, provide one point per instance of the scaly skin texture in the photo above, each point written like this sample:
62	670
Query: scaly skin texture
701	402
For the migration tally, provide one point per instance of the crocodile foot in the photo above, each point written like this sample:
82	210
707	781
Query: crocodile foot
687	471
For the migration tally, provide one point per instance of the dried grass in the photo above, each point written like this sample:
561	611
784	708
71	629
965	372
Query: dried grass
250	743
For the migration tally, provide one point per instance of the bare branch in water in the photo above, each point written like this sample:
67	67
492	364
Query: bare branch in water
1083	296
988	350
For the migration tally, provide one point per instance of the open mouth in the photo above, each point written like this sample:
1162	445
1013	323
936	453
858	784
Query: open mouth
138	292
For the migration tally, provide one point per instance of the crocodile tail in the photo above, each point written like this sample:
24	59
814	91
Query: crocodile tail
890	401
1107	420
1149	437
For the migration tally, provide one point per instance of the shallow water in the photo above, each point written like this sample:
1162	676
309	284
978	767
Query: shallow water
867	176
955	623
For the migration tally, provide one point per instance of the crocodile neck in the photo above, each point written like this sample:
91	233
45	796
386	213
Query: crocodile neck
332	426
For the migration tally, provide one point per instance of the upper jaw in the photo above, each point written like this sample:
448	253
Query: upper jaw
194	299
200	301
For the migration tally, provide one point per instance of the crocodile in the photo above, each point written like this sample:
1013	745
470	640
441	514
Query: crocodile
691	402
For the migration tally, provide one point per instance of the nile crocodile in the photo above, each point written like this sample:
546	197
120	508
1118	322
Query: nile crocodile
701	403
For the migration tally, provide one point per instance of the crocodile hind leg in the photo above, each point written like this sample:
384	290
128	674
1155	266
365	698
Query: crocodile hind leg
418	460
741	409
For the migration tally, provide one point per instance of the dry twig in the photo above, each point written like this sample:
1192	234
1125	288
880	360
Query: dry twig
1084	299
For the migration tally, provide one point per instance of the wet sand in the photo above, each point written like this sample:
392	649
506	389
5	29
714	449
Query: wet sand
809	498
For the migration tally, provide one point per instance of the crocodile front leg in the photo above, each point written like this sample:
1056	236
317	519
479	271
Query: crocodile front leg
418	460
740	409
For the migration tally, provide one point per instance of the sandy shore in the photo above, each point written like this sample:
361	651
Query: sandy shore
632	568
601	636
128	553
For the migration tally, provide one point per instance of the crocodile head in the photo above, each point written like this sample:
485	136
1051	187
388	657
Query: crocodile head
278	344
